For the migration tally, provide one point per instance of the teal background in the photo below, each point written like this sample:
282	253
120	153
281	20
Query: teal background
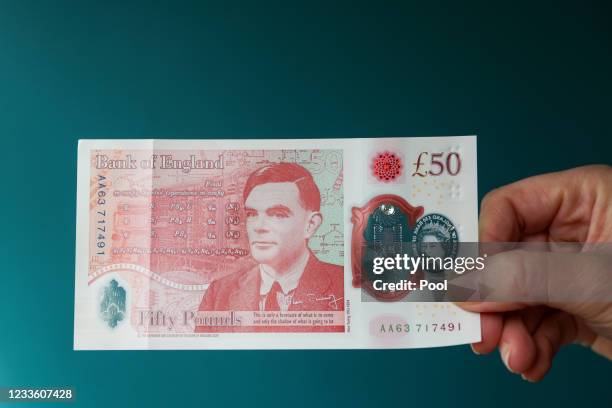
532	79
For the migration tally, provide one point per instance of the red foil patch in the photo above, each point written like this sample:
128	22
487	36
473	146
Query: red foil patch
359	218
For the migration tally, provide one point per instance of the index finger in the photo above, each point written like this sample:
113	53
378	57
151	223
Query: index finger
553	206
521	208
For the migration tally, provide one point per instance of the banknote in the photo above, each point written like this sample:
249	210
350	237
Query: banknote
269	244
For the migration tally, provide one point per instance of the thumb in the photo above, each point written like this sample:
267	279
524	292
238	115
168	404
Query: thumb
576	283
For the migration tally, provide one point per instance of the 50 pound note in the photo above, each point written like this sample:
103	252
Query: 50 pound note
269	244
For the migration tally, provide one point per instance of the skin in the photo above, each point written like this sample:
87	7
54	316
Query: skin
278	226
568	206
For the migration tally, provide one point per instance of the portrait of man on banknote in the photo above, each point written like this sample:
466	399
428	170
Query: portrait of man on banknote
282	208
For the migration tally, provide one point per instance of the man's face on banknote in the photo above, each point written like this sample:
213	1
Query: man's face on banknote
277	223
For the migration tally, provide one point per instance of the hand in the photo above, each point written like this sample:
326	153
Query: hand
568	206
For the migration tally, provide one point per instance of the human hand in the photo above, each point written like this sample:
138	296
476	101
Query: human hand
568	206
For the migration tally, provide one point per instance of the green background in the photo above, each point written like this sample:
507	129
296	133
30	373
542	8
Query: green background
531	79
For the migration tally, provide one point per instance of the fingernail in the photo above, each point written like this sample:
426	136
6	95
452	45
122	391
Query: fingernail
504	350
474	350
526	379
